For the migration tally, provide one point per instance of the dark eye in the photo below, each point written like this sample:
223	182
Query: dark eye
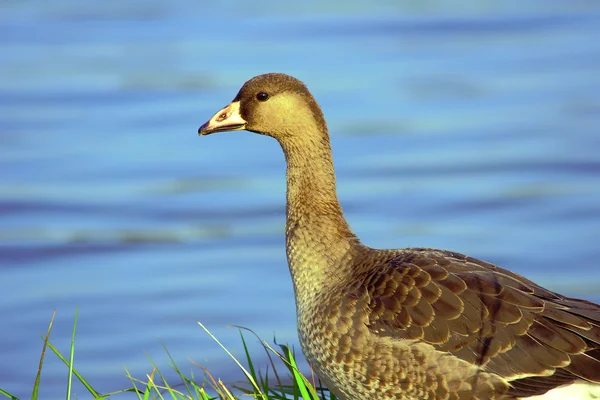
262	96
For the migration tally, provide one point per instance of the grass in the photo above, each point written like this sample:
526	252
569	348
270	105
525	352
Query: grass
265	386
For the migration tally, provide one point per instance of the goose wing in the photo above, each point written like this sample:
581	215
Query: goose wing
493	318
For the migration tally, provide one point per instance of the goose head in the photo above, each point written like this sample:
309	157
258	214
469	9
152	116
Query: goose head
273	104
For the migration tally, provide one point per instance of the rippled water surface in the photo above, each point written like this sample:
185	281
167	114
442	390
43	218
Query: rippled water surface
474	129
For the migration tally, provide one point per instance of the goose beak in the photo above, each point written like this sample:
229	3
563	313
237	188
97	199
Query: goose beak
226	119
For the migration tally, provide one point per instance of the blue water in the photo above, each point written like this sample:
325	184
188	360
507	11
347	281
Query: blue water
473	128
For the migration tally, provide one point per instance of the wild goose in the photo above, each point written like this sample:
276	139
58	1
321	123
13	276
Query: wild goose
410	323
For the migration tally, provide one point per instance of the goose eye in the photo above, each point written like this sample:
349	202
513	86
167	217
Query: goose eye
262	96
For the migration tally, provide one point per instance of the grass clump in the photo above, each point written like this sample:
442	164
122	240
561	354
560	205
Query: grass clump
155	386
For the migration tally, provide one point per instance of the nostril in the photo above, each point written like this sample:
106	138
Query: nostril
222	117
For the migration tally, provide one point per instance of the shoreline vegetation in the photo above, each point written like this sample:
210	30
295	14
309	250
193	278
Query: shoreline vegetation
265	386
280	381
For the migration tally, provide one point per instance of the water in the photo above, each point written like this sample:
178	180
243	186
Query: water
472	128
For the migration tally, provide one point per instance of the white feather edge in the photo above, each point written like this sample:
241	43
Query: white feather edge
576	391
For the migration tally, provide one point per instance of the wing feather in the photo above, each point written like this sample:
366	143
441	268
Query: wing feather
493	318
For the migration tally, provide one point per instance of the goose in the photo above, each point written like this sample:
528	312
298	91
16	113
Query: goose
412	323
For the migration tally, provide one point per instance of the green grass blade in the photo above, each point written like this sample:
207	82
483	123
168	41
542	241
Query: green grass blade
198	391
72	356
176	368
36	385
248	358
298	377
137	391
265	381
152	386
149	384
174	393
307	391
10	396
248	376
152	382
211	381
77	374
267	352
203	395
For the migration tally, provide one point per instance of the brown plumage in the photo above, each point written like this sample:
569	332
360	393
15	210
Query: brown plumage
409	323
